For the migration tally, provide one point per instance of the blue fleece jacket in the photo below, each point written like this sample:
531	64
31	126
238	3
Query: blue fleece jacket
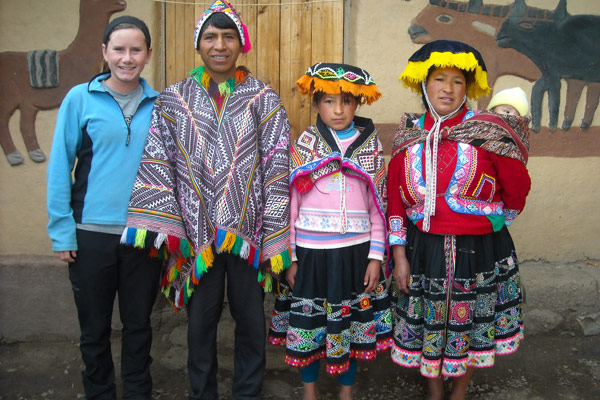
91	130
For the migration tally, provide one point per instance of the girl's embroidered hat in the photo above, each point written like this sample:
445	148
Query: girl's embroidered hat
223	6
514	97
337	78
446	53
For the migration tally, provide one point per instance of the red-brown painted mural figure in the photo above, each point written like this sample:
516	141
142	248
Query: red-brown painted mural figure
34	81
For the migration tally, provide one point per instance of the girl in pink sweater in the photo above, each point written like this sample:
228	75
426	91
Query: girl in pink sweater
336	306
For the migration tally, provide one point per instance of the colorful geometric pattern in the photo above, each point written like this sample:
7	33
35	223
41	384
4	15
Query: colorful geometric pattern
502	135
469	136
316	154
445	325
329	221
223	6
506	136
339	78
357	328
335	72
207	176
416	183
458	201
510	215
397	232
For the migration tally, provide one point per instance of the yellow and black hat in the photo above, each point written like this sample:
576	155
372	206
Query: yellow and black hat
446	53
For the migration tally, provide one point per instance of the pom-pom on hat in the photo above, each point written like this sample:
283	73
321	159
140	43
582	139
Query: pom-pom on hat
515	97
337	78
223	6
446	53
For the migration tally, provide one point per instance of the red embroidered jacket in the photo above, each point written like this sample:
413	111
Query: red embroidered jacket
477	191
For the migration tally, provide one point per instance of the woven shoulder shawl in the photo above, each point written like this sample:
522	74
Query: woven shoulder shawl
315	154
213	181
504	135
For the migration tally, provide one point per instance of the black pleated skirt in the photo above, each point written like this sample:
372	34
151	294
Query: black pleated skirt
328	315
464	302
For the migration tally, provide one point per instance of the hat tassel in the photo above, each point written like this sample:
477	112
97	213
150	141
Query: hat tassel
247	45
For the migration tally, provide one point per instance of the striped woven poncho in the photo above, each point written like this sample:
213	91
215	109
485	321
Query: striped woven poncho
212	180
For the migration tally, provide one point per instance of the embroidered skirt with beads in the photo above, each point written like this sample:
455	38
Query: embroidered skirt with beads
329	315
464	303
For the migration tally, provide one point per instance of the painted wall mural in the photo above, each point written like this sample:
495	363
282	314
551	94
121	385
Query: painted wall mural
546	47
39	80
563	47
538	45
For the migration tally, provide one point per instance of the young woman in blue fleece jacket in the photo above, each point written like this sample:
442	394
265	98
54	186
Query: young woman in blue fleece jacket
101	132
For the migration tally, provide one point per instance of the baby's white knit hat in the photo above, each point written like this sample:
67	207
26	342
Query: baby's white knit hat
515	97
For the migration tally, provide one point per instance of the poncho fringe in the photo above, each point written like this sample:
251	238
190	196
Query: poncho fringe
234	199
167	246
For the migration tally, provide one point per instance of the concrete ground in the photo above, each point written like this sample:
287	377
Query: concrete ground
39	357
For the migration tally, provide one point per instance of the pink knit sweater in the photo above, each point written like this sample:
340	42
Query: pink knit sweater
326	217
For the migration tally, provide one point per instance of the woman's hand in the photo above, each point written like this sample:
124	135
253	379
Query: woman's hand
401	270
66	256
290	275
372	275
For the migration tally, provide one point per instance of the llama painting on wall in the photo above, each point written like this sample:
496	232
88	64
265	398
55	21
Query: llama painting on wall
39	80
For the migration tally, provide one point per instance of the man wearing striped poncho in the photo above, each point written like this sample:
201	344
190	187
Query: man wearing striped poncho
212	197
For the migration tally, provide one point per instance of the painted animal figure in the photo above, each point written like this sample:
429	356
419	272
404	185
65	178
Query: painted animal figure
477	25
561	45
574	89
77	63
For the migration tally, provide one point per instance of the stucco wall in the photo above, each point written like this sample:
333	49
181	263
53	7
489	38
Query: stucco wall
560	222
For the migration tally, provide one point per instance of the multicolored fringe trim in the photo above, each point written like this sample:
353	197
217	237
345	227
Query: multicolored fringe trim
308	85
338	369
456	367
276	340
163	246
304	362
339	78
225	88
332	369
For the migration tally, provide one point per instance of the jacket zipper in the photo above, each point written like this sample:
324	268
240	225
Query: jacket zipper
124	119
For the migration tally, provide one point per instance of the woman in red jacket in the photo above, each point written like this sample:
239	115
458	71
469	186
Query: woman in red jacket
457	178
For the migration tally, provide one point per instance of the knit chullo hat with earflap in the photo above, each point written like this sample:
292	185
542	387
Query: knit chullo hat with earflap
514	97
223	6
199	74
337	78
442	54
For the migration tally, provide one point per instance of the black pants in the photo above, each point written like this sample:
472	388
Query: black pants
245	297
102	269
